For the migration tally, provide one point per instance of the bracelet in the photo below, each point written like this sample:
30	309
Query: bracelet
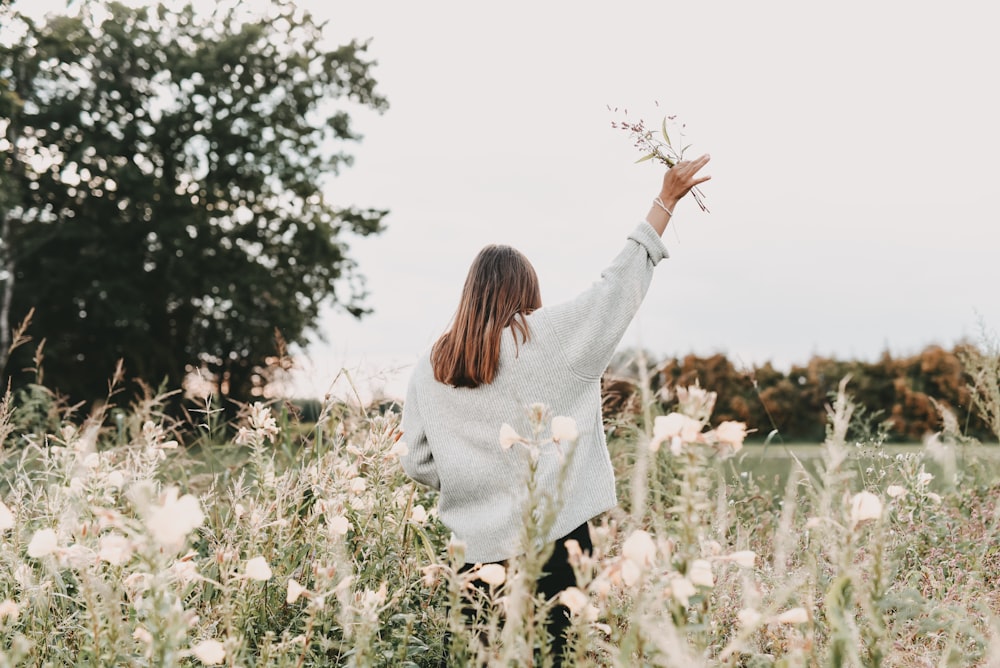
658	202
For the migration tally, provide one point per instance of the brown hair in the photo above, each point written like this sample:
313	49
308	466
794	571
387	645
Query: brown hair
499	291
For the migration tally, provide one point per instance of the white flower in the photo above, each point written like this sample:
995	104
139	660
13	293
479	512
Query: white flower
895	491
262	426
732	433
700	573
682	589
294	591
630	572
68	433
369	599
418	514
115	549
339	525
258	569
184	570
639	548
6	517
91	461
573	551
9	609
668	426
76	485
262	421
936	498
695	401
744	558
244	436
198	385
430	575
115	480
564	429
574	599
108	518
492	574
361	503
793	616
508	436
142	635
748	617
152	433
136	584
77	556
358	485
674	426
813	522
43	543
865	506
601	585
924	477
171	521
209	652
24	576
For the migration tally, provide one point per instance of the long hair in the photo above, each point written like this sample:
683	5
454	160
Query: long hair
499	291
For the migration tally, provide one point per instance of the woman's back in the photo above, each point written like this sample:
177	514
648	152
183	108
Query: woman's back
453	433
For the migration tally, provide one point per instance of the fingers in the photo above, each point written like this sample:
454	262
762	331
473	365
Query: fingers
684	172
693	166
682	177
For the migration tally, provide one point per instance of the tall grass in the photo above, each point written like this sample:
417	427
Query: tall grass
129	539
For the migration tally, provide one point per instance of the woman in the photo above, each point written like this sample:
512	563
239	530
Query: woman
505	351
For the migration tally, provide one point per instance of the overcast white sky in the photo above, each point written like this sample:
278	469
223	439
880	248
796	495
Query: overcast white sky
854	159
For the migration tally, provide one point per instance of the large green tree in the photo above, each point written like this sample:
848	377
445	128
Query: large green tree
163	187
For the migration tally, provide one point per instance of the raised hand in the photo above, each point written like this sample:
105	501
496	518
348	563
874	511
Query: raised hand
681	178
677	182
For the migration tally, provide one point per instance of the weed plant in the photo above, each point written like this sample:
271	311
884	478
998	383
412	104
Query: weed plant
127	538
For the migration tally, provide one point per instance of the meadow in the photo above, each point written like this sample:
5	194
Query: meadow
130	537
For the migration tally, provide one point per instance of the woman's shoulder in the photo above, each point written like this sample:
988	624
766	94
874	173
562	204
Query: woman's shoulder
539	321
539	315
422	365
422	371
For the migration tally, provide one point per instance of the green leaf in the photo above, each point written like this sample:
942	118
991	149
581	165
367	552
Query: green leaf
666	137
179	280
426	543
646	157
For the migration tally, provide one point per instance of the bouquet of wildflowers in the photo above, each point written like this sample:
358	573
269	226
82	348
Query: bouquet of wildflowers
656	148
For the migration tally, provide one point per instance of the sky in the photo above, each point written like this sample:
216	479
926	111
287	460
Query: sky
854	150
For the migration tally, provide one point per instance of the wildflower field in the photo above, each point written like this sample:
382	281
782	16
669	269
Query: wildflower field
134	538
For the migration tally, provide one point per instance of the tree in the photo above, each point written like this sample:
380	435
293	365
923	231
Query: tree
167	171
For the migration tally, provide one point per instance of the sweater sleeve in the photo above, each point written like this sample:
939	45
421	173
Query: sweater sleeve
590	327
418	462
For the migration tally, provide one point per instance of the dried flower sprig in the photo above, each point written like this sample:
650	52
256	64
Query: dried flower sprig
655	148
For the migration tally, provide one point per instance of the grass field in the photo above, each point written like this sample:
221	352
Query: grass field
138	541
773	463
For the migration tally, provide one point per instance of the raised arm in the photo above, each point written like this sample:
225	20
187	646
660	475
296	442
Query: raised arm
590	327
677	182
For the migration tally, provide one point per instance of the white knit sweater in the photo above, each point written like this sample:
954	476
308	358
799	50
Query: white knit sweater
452	434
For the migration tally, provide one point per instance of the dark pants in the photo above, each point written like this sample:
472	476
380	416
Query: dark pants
557	576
